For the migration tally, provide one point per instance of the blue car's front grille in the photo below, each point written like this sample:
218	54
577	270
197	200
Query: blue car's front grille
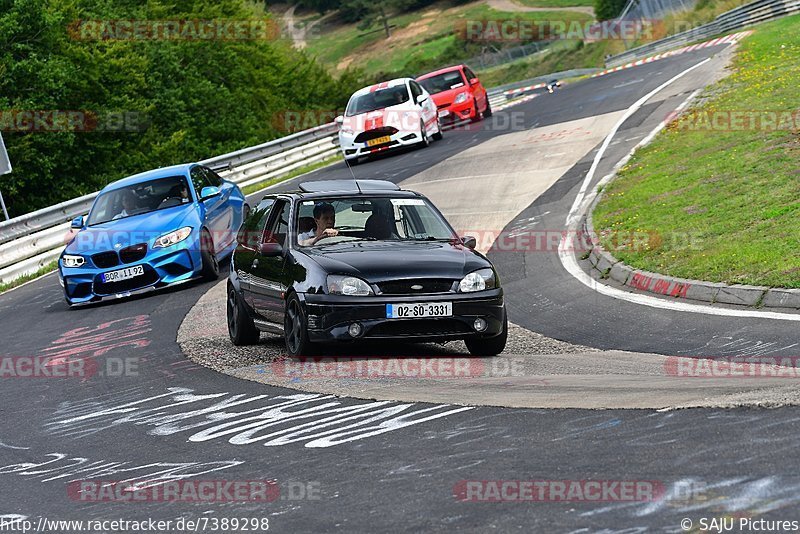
104	260
133	253
149	277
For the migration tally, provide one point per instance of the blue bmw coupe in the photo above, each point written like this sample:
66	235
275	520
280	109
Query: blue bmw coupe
156	228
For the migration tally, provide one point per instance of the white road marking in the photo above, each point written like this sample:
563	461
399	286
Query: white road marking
579	206
631	110
632	82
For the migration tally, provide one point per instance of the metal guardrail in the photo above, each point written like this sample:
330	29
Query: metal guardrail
740	17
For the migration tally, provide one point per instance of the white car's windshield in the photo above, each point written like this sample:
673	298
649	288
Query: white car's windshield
378	99
327	221
139	198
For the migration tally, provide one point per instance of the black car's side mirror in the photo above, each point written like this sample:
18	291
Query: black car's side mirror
469	242
270	250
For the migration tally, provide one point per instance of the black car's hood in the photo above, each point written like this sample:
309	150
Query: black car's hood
376	261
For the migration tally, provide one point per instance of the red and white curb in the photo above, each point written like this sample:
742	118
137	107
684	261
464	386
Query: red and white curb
728	39
524	89
515	102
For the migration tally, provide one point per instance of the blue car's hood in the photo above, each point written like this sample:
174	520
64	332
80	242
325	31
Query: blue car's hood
143	228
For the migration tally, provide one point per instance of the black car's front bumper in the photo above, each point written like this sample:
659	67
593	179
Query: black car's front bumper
329	317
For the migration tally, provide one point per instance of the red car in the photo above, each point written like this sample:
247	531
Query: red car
457	93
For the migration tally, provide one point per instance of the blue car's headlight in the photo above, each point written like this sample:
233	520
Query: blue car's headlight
173	238
478	281
72	261
348	285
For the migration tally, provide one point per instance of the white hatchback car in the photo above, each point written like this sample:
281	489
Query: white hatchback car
385	116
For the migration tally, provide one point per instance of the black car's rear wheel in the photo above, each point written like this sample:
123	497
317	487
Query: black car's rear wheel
294	329
491	346
210	270
241	328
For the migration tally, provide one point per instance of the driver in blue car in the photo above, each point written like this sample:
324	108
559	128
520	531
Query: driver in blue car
128	205
325	220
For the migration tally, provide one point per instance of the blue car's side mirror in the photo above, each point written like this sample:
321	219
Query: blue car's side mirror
77	223
209	192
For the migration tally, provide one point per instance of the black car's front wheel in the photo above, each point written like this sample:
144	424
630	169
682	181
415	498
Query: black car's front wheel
241	328
491	346
294	329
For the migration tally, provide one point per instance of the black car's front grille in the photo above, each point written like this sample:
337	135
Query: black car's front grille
133	253
416	286
148	278
419	327
107	259
363	137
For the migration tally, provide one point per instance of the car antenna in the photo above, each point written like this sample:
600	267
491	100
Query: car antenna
353	175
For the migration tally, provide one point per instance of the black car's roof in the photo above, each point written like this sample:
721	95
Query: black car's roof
346	188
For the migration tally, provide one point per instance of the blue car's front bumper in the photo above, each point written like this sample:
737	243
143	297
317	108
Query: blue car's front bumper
161	266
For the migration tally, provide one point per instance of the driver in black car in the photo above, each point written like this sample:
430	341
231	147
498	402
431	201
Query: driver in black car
325	219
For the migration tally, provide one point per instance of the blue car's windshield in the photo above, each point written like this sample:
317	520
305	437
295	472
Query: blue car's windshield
139	198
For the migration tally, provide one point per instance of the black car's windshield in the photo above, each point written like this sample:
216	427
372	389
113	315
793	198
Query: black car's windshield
379	99
327	221
443	82
139	198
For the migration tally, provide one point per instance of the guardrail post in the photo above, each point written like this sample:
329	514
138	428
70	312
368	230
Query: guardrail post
3	204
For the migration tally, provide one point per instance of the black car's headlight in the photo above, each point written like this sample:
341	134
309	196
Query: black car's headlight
70	260
173	238
478	281
348	285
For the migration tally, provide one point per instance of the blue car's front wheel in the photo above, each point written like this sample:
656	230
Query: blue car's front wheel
210	268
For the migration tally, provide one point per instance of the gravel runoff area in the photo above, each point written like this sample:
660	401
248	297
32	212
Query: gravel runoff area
534	372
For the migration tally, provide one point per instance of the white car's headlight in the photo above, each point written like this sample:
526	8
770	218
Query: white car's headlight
173	238
348	285
72	261
347	130
460	97
478	281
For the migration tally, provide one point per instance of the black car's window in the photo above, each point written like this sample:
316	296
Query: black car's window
253	227
140	198
378	99
372	218
443	82
279	224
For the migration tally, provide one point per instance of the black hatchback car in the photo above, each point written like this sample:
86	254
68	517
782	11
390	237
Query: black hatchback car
340	261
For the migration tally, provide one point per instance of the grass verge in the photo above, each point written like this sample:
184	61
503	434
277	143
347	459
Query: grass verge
50	267
717	193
